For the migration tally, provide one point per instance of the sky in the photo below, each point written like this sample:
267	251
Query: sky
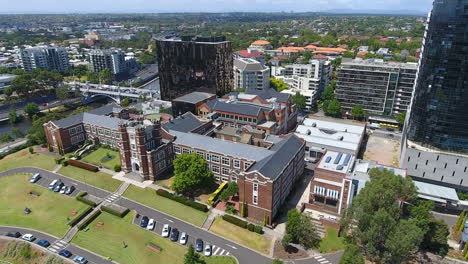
111	6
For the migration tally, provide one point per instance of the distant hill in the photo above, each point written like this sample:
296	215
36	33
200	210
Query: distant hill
376	12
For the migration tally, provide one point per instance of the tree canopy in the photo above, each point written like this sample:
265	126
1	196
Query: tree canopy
278	85
358	112
300	229
31	109
299	100
191	174
400	118
231	190
387	221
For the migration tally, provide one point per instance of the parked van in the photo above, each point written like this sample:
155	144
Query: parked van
52	184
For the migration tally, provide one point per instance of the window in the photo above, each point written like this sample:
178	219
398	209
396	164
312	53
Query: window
93	129
177	149
234	179
255	187
133	146
215	158
237	164
225	171
215	169
186	150
225	179
134	155
247	165
207	157
255	199
199	153
226	161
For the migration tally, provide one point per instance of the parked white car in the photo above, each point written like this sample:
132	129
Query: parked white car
166	230
207	251
28	237
183	238
151	224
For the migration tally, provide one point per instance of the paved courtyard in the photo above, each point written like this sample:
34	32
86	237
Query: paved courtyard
384	149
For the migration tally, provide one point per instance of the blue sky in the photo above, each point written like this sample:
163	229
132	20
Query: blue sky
54	6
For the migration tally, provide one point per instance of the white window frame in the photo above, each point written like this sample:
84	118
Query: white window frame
177	149
224	171
226	161
238	164
215	158
216	169
234	179
247	165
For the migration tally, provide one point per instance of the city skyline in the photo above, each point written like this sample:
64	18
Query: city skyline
146	6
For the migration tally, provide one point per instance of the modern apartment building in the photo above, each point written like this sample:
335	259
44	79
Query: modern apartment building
107	59
307	79
140	144
191	64
381	88
44	57
251	75
268	111
5	80
435	143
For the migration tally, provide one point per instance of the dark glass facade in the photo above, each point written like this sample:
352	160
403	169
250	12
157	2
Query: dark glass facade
203	64
439	112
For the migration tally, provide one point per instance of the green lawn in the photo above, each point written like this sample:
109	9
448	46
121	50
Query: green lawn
96	158
149	197
331	242
98	179
49	211
108	239
24	159
241	235
219	260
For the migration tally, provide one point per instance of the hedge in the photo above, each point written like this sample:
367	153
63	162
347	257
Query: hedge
182	200
117	168
80	197
93	216
115	212
234	220
251	227
80	216
258	230
14	150
83	165
214	196
59	160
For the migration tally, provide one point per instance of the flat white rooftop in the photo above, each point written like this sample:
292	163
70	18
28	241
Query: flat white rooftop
336	162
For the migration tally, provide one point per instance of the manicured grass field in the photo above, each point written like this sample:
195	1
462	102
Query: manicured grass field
219	260
149	197
98	179
49	211
108	239
96	157
331	242
24	159
240	235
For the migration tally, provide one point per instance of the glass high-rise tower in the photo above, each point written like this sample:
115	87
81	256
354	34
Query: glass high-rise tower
435	145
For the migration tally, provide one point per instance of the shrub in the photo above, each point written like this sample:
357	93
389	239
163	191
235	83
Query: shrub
91	218
83	165
234	220
258	230
65	163
59	160
117	168
80	197
250	227
80	216
14	150
31	150
182	200
115	212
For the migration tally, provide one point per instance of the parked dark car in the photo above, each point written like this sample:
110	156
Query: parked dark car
199	245
174	235
65	253
13	234
69	189
58	187
43	243
144	221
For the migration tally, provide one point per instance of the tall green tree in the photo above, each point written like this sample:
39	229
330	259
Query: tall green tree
191	174
299	100
400	118
191	257
13	116
62	92
231	190
16	132
300	229
333	108
357	112
31	109
106	76
352	255
125	102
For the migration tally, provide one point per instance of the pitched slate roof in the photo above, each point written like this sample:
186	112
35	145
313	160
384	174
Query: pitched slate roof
268	94
184	123
235	108
194	97
96	117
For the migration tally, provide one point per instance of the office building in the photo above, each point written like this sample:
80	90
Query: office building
251	75
114	60
5	80
191	64
435	143
310	80
48	58
381	88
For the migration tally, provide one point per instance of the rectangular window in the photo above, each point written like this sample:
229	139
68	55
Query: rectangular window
255	187
225	179
226	161
93	129
234	179
215	169
200	153
225	171
255	199
133	146
215	158
247	165
207	157
237	164
177	149
186	150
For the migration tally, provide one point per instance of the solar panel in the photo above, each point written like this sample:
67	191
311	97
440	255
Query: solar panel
346	160
340	167
338	158
327	160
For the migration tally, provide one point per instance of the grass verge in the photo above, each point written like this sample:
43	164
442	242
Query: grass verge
98	179
241	235
24	158
149	198
331	242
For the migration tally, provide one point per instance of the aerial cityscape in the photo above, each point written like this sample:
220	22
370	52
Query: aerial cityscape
241	132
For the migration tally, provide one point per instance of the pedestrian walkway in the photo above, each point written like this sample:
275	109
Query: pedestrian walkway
57	168
58	245
321	259
217	251
210	219
121	177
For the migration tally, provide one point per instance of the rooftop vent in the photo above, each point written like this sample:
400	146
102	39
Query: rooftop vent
314	124
340	138
328	159
339	167
308	132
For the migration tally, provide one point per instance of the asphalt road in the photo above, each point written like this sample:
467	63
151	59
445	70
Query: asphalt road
243	254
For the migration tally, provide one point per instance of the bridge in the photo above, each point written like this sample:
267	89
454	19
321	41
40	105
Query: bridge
117	93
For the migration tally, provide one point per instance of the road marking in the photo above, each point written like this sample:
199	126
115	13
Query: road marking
169	220
222	252
53	250
323	262
216	251
317	257
231	246
227	254
321	259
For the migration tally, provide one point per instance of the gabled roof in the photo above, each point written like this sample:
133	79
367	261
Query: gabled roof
246	53
96	116
261	43
194	97
184	123
235	108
